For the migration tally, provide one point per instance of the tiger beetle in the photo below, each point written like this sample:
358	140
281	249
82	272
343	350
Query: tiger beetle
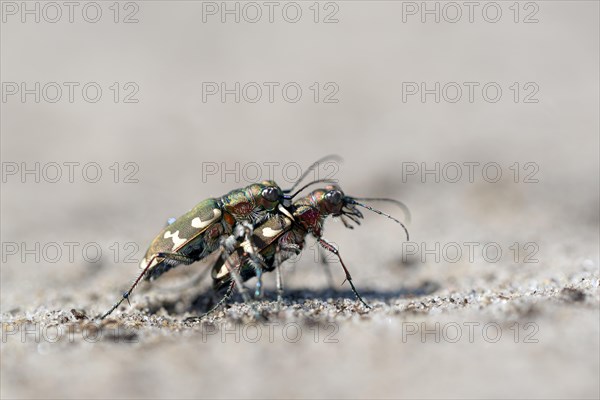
201	231
283	236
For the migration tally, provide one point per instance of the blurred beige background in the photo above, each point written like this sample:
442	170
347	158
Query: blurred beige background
370	54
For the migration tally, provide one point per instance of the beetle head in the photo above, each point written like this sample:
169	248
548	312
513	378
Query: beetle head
332	201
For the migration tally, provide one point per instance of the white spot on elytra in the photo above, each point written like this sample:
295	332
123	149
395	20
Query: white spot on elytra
268	232
247	248
198	223
177	241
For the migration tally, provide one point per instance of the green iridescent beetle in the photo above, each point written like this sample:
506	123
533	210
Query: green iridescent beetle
200	231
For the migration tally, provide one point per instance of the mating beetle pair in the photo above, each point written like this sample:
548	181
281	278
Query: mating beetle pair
256	228
283	236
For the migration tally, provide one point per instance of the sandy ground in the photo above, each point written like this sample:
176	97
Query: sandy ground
525	324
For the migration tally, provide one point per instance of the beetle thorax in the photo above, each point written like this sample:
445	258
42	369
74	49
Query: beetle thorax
241	204
310	218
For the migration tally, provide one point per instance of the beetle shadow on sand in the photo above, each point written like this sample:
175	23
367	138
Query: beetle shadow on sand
202	302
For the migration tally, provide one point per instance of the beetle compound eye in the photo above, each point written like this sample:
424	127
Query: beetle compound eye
334	197
270	194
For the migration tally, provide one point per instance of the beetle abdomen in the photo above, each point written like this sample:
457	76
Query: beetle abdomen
184	237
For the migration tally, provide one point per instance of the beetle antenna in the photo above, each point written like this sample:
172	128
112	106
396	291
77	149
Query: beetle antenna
333	157
352	201
400	204
309	184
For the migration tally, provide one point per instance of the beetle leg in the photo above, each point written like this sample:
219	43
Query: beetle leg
126	295
228	247
277	263
326	267
282	253
258	264
279	284
226	296
176	257
259	273
328	246
219	304
255	258
237	279
242	232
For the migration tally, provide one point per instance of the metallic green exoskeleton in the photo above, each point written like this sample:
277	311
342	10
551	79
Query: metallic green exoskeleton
283	235
200	231
197	233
